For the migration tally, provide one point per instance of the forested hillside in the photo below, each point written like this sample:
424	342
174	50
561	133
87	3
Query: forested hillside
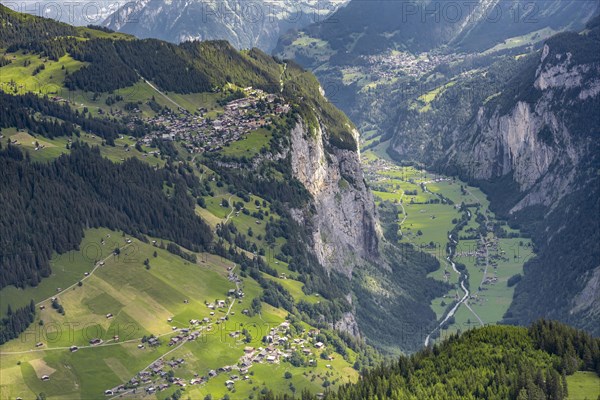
48	207
487	363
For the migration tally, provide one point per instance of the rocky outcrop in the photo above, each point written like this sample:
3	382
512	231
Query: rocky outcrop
344	221
588	300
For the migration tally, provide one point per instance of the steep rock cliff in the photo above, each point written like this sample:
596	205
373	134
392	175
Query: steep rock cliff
537	143
344	220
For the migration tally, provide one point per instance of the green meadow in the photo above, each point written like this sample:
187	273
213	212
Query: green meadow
250	145
583	386
124	298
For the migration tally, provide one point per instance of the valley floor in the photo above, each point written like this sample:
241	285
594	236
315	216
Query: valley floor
445	217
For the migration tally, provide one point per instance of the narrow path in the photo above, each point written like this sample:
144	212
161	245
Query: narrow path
403	213
474	313
161	93
98	265
232	210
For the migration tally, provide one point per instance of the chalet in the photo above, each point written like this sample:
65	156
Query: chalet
212	373
319	345
248	349
271	359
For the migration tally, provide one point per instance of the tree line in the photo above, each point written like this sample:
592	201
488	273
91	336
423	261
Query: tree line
46	207
494	362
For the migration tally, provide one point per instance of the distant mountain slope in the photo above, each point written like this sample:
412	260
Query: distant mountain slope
243	24
372	26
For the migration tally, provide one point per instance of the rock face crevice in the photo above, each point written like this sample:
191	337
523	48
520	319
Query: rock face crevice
344	217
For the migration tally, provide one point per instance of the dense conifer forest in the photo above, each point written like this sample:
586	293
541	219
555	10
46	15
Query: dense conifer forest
48	206
495	362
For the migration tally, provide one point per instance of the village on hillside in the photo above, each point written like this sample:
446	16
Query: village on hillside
388	65
201	133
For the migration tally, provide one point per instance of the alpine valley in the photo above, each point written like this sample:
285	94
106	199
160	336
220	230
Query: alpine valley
502	94
193	218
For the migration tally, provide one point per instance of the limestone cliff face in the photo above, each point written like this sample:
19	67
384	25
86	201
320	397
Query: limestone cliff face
345	227
533	141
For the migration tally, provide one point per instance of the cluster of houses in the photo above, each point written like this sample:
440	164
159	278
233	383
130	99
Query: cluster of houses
394	63
204	134
147	378
279	345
